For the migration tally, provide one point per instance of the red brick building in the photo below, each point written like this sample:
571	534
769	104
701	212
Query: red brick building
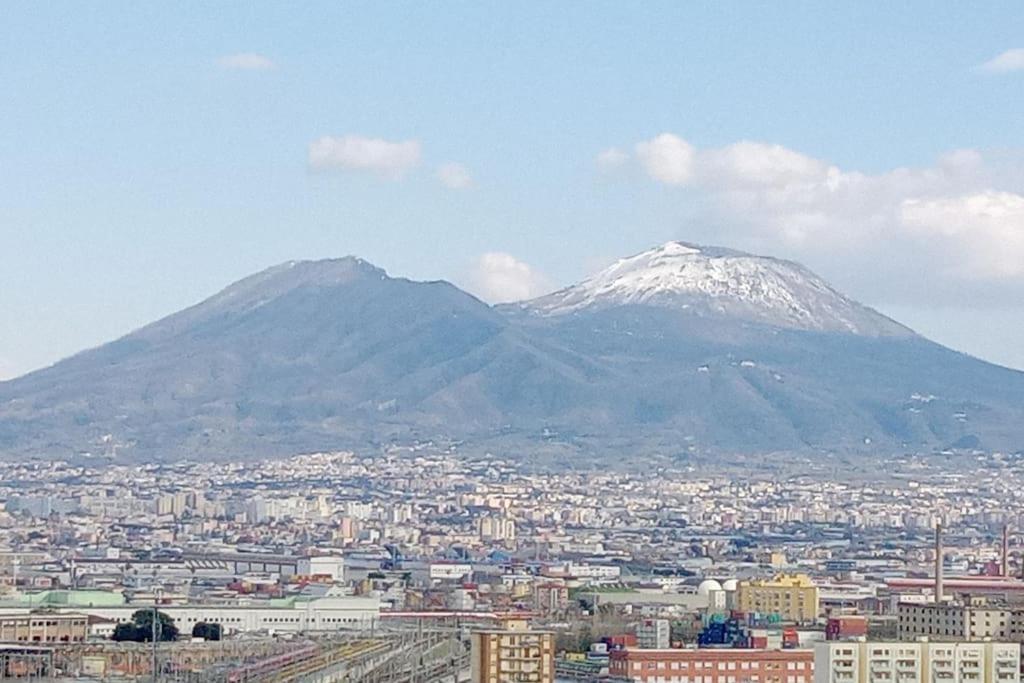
713	666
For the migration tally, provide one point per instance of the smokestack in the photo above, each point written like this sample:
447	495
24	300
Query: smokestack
938	562
1006	551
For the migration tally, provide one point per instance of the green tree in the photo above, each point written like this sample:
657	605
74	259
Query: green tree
127	632
140	628
206	631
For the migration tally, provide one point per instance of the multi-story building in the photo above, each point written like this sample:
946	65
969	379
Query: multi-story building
496	529
919	662
551	597
972	619
653	634
513	654
43	627
712	666
791	597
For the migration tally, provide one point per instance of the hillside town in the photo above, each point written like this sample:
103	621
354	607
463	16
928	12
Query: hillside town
689	576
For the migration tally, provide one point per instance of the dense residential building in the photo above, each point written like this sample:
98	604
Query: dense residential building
281	548
712	666
918	662
790	597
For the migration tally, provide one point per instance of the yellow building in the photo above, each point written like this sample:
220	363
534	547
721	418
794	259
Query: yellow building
43	627
512	654
792	597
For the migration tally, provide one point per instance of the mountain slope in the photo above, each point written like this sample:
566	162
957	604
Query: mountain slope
679	349
307	355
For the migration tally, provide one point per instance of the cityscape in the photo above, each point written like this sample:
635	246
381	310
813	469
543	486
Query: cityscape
420	560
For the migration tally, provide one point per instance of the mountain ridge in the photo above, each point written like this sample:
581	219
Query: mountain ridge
336	354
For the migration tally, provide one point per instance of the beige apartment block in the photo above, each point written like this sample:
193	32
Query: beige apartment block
514	654
918	662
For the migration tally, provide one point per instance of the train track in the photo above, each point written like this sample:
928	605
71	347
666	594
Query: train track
345	653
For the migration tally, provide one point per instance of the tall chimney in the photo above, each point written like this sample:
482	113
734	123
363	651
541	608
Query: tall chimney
1006	551
938	562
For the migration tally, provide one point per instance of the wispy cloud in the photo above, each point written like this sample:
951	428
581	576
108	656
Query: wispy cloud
1011	60
454	176
245	61
357	153
611	158
498	277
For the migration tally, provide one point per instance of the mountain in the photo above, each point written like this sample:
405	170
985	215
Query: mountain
710	281
681	349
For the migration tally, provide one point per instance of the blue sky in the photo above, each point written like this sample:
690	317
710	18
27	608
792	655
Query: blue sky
151	154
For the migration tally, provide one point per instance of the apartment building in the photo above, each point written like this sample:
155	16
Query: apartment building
496	529
918	662
793	597
653	634
551	597
712	666
514	654
972	619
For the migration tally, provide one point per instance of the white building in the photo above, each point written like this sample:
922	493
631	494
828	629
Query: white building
287	616
450	571
323	565
653	634
593	571
916	662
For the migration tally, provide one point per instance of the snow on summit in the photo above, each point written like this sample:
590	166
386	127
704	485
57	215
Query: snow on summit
712	281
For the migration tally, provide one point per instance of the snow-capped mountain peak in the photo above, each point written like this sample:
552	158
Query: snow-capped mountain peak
712	281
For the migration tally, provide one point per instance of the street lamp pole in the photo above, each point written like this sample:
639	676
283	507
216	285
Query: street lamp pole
154	640
156	633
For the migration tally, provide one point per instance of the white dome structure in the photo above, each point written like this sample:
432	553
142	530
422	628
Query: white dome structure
730	585
707	586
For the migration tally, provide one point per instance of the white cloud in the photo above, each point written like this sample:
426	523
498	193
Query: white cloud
985	231
454	176
667	158
356	153
497	277
611	158
755	164
1011	60
245	61
957	225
